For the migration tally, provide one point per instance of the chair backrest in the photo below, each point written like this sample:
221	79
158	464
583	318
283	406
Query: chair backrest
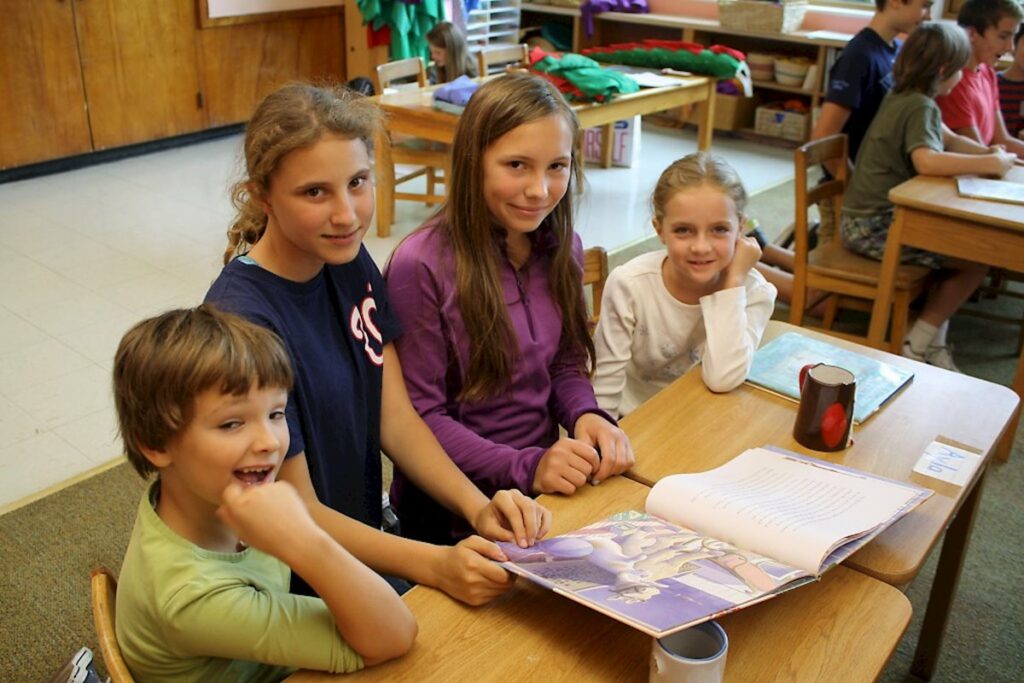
493	56
595	272
830	149
104	597
390	72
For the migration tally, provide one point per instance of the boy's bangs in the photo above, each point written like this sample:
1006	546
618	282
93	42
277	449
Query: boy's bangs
245	357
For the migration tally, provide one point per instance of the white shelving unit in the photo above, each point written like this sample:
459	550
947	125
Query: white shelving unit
493	22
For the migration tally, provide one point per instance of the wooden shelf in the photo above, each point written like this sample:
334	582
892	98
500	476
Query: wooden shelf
775	85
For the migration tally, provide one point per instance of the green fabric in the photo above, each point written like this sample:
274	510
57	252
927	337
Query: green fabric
409	23
706	62
904	122
188	614
587	75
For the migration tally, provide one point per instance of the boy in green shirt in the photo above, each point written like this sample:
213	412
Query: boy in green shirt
203	592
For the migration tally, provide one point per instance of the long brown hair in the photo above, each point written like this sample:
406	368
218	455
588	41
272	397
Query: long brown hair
495	109
457	60
293	116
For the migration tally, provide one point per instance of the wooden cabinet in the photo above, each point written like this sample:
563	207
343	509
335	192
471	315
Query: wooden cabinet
273	53
139	67
43	114
86	75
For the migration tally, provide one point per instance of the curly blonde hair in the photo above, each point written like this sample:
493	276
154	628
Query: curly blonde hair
292	117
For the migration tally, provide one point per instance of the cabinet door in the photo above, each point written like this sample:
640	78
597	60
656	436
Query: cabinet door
139	67
242	63
43	114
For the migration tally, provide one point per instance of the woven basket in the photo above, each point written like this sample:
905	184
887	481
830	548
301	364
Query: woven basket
762	16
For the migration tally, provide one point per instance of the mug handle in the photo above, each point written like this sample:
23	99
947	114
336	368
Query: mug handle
803	374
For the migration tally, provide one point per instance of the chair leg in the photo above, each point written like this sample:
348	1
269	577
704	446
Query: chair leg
831	310
430	182
900	320
797	304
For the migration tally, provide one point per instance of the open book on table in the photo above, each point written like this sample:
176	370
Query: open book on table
717	541
776	368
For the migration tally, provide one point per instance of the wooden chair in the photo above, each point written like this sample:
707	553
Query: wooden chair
595	272
430	157
499	57
851	280
104	597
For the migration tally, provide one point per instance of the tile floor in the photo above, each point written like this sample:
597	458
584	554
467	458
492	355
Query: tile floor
89	252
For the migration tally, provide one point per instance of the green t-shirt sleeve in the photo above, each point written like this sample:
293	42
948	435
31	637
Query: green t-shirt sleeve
235	620
924	129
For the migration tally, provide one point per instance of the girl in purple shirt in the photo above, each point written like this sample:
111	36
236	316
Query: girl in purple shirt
489	293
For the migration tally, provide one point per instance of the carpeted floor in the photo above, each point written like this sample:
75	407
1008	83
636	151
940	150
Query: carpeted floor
48	547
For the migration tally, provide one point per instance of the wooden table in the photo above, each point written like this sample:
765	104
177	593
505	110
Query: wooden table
687	428
843	628
411	112
931	215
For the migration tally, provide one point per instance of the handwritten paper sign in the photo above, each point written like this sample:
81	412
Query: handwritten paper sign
948	463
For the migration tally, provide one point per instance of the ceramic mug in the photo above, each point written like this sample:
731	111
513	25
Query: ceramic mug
693	655
824	420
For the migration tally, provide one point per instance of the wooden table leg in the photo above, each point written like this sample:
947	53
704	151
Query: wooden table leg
887	282
1006	443
706	124
947	576
607	144
384	177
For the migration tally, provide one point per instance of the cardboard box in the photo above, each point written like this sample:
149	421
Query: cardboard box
732	112
625	143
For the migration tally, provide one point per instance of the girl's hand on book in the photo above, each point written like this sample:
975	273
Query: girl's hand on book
512	515
566	466
615	450
468	571
747	253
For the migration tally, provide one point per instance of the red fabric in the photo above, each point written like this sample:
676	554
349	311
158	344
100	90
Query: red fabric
378	37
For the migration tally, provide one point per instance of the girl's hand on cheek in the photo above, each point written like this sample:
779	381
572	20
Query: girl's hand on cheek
746	255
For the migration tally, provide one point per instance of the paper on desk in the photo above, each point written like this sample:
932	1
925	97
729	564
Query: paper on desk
649	79
992	190
948	463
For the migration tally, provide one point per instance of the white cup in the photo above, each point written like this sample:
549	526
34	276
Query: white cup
693	655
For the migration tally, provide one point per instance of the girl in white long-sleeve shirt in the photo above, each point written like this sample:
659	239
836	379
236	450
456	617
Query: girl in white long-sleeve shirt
700	301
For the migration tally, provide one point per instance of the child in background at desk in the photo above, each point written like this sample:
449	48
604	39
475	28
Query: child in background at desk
303	208
907	138
1011	89
701	302
490	294
860	78
203	592
862	75
971	108
450	54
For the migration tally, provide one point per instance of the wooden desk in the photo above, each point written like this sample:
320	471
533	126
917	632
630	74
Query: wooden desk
687	428
931	215
845	627
411	112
